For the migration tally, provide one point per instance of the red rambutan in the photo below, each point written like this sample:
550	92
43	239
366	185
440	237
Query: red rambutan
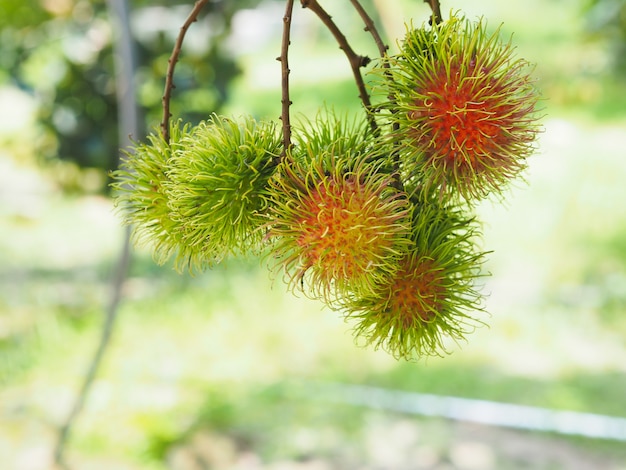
463	107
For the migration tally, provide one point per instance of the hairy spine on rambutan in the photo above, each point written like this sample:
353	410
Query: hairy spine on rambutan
462	107
202	195
217	186
432	294
336	224
141	196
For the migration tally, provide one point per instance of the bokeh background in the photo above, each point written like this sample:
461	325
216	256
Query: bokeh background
226	370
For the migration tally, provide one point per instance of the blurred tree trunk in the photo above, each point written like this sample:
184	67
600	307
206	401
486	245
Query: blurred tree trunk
128	125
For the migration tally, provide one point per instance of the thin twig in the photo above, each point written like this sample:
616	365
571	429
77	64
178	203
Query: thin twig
284	84
356	61
370	27
171	65
436	8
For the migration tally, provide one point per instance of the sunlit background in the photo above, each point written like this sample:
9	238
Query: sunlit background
227	370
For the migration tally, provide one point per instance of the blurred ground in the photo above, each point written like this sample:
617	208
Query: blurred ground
194	361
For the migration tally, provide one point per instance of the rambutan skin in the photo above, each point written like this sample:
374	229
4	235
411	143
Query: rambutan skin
331	133
336	224
464	108
200	196
141	196
433	293
217	186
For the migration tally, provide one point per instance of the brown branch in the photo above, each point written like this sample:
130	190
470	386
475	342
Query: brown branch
356	61
382	48
284	84
171	65
436	8
370	27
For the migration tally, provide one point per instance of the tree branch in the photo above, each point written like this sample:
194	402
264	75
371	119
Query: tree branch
436	8
370	27
356	61
171	65
284	84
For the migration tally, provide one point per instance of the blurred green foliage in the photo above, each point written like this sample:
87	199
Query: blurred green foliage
60	52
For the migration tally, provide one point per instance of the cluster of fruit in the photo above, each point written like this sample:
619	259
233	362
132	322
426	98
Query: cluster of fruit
372	215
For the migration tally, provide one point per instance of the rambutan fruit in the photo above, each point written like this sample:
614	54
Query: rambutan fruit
141	197
331	134
217	186
463	108
336	223
431	295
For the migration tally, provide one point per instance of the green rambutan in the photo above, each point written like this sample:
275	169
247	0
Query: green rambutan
217	186
432	293
463	108
140	190
202	196
330	134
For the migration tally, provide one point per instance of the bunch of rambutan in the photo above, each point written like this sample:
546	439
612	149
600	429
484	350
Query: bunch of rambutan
375	221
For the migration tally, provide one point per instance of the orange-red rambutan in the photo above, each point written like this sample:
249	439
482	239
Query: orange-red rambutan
464	108
338	225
